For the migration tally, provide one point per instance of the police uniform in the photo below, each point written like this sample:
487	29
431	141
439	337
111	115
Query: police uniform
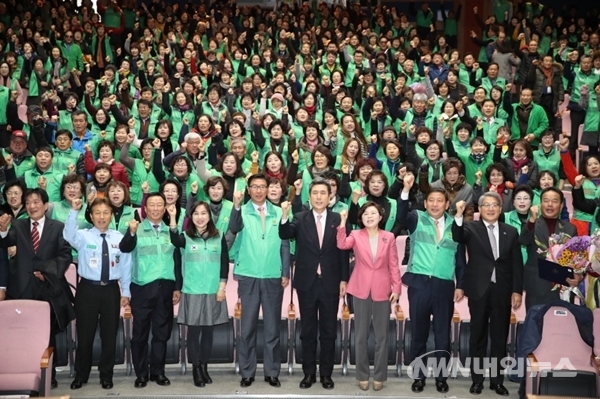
98	293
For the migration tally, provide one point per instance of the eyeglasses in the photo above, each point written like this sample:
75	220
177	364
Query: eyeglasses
255	187
490	206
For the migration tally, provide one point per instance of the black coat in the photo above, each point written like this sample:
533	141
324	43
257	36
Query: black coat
52	260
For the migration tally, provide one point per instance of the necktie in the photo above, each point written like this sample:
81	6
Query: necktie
492	238
105	261
261	212
320	235
437	230
35	237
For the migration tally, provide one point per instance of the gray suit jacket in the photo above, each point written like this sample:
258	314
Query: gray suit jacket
532	283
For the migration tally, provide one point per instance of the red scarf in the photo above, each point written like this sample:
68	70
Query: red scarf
517	165
272	175
311	110
500	189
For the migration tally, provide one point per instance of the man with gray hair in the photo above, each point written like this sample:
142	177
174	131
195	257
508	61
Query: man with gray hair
493	283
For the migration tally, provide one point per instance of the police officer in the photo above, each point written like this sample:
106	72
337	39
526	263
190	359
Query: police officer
102	265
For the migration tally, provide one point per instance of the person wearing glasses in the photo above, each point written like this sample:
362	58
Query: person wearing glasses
493	284
262	268
435	262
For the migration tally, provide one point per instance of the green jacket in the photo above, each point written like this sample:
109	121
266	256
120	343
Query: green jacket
537	123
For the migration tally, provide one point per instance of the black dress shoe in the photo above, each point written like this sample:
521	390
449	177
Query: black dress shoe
418	385
273	381
53	383
246	382
198	379
106	384
499	389
76	384
160	379
327	382
204	373
140	382
441	386
476	388
307	381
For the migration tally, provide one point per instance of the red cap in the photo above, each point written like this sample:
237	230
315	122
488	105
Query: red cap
19	133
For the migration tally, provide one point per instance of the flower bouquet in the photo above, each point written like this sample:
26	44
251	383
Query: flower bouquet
567	251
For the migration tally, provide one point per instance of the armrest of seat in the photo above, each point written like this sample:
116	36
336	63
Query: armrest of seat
127	312
533	363
596	363
399	313
46	357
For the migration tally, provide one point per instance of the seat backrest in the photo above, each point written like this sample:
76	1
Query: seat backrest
561	339
476	216
597	332
71	276
401	247
24	335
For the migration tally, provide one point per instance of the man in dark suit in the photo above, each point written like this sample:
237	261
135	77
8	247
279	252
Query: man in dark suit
539	291
493	283
38	269
322	271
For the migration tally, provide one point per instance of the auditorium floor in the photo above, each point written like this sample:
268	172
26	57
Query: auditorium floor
226	385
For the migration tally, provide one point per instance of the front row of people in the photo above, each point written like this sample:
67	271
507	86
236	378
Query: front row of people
157	266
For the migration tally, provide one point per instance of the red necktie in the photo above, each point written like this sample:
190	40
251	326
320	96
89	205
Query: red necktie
35	237
320	235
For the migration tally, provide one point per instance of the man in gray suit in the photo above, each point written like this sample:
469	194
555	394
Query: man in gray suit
38	269
539	291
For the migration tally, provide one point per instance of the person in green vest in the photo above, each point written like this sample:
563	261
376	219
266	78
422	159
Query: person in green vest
588	206
591	123
435	262
22	158
155	287
517	218
65	156
340	191
120	201
72	187
205	270
45	175
425	18
70	50
527	119
548	158
139	170
263	269
376	190
220	208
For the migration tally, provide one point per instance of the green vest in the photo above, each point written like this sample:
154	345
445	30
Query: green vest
580	80
138	176
127	216
60	212
429	257
592	116
4	98
391	220
53	181
28	163
153	255
259	253
550	162
62	159
512	219
201	261
590	191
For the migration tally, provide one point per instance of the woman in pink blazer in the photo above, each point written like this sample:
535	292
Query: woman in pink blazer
374	283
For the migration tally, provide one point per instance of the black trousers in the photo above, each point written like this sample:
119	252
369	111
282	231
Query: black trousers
577	118
93	302
200	340
434	299
547	103
489	315
152	309
318	312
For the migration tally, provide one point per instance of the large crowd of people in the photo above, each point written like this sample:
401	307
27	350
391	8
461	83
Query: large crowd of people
152	144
